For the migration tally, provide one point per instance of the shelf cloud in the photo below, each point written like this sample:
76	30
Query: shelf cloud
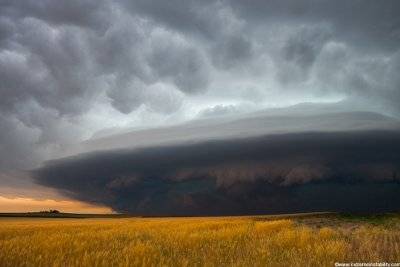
354	170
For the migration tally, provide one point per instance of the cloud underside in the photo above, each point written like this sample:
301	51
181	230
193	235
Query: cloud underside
343	171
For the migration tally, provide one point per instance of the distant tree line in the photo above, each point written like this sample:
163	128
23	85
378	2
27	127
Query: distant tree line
50	211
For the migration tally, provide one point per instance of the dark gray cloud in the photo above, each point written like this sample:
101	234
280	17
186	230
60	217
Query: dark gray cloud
84	13
366	24
71	68
300	52
192	17
232	51
276	173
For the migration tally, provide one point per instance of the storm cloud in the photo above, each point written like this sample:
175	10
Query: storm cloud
342	171
71	71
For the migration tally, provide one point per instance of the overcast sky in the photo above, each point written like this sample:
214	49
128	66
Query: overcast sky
80	76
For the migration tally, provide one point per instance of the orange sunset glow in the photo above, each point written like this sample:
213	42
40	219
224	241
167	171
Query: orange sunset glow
20	204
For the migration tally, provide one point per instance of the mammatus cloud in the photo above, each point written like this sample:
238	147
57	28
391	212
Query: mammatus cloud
290	172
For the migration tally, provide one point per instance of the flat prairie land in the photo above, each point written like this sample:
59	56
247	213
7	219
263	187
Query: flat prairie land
285	240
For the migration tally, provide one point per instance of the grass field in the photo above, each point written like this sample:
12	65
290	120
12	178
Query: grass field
304	240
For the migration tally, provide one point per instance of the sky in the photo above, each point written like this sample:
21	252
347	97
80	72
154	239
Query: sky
199	107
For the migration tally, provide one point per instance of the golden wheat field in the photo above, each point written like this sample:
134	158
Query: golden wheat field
209	241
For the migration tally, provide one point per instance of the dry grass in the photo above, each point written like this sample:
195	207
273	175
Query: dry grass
233	241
